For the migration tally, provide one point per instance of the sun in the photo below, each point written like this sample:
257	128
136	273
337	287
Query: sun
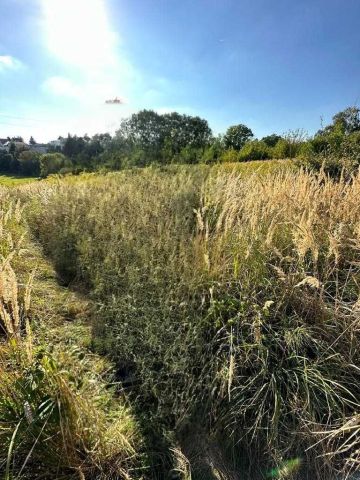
78	33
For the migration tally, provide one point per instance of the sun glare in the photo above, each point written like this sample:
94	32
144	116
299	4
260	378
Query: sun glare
78	32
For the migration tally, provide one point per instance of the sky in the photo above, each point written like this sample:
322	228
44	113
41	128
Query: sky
272	65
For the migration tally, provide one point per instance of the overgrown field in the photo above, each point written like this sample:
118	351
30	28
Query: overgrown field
228	304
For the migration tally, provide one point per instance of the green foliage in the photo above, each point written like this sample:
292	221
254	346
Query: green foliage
29	163
255	150
213	152
189	155
73	146
306	150
51	163
229	156
336	160
6	160
344	122
271	140
281	149
148	138
336	148
163	137
236	136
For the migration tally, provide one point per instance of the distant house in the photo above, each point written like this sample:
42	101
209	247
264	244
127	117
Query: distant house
3	141
38	148
19	146
57	144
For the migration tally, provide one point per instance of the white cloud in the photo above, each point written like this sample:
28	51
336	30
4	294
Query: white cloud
7	62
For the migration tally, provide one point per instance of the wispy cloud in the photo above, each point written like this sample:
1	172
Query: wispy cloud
7	62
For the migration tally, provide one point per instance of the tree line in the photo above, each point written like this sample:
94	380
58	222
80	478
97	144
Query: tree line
148	137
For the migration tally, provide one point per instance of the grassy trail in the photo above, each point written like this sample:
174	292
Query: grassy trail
59	415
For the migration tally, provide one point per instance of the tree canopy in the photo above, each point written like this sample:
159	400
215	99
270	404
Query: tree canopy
237	135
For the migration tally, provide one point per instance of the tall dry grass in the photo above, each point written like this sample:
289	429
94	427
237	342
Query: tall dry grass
229	302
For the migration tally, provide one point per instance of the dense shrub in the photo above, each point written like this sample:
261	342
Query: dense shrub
229	156
339	155
281	149
51	163
255	150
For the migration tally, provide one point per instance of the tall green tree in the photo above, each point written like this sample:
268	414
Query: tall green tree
236	136
271	140
52	163
29	163
345	122
348	120
73	146
155	137
6	161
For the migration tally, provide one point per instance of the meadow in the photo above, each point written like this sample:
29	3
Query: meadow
181	322
9	181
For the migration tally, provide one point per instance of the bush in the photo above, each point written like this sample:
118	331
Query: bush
281	149
255	150
229	156
189	155
212	153
336	158
306	150
51	163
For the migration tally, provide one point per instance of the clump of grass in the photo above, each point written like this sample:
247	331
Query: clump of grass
52	426
226	300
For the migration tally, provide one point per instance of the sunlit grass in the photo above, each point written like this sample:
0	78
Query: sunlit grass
10	181
257	166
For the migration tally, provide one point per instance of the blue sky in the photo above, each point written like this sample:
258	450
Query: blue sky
274	65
